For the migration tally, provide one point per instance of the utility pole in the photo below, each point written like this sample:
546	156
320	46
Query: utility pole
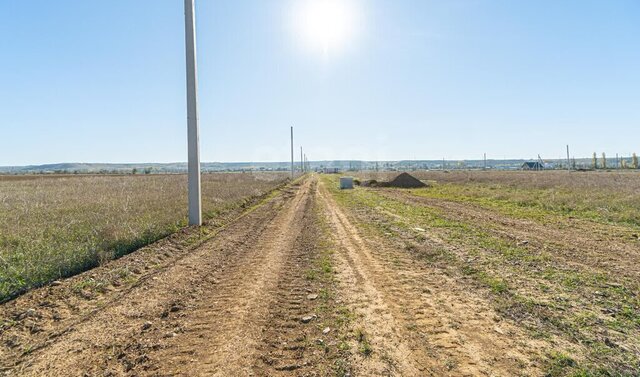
292	165
568	159
301	161
541	163
617	162
485	161
193	138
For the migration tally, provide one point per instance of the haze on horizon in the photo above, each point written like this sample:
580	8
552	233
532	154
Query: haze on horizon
359	79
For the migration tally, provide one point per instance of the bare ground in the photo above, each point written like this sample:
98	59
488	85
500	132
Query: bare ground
291	287
572	282
421	321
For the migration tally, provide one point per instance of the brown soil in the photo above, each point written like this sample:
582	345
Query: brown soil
421	321
595	262
244	303
232	306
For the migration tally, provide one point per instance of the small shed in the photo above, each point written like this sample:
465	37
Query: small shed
532	165
346	183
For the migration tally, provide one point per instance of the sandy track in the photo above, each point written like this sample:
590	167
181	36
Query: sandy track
203	315
578	243
420	321
226	324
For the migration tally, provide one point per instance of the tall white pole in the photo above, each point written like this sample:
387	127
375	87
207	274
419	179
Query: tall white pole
195	202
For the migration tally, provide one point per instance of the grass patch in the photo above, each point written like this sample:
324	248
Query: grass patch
559	364
608	197
52	228
310	274
364	347
543	204
337	318
90	285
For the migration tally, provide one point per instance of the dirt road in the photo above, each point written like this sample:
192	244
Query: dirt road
291	287
421	321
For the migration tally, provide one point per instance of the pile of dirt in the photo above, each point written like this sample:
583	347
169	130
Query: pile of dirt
404	180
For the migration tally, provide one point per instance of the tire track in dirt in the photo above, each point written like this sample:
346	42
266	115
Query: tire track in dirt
289	346
226	326
421	321
37	318
370	304
207	309
589	245
285	341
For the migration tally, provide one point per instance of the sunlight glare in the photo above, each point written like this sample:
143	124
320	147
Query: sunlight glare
327	25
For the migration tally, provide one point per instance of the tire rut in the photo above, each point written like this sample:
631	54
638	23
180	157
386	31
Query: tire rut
289	346
227	324
423	322
62	307
136	335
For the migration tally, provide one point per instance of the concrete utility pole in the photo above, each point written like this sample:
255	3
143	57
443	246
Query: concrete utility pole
301	161
568	159
485	161
292	165
195	201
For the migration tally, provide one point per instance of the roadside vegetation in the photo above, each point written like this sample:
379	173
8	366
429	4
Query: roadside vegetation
605	197
56	226
589	316
335	317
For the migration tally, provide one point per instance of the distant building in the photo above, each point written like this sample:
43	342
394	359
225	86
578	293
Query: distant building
535	165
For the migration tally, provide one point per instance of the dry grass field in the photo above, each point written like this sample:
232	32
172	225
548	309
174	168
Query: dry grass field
479	274
612	197
55	226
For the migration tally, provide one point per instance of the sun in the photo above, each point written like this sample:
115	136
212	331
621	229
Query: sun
326	25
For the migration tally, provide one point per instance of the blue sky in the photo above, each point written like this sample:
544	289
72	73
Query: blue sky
103	81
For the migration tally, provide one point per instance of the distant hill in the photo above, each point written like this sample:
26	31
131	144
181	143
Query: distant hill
181	167
177	167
